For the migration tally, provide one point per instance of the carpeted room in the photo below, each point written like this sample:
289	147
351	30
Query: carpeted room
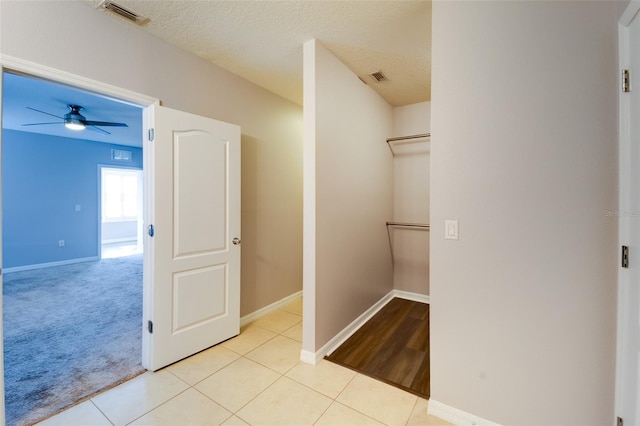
72	322
70	331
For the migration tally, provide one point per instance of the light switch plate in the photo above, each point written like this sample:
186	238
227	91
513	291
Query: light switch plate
450	229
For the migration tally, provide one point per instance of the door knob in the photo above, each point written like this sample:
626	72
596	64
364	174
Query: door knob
236	241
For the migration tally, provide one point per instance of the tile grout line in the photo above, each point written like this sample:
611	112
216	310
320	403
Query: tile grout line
277	372
217	403
163	402
353	408
415	404
101	412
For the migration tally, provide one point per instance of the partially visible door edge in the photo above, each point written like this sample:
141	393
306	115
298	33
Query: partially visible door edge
624	199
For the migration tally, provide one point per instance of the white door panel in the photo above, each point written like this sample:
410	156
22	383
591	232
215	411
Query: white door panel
200	181
195	293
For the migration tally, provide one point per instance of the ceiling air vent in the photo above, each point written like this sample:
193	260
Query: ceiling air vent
378	76
122	11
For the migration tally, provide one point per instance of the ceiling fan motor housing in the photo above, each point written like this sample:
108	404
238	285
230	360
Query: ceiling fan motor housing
74	116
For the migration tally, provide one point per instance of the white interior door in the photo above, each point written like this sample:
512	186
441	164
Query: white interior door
628	350
194	291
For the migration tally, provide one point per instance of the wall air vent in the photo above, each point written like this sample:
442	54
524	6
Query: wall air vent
126	13
121	155
378	76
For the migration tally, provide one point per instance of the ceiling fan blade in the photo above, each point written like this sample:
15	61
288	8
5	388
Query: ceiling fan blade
97	129
40	124
37	110
104	123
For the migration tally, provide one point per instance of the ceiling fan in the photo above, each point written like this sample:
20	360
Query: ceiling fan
75	121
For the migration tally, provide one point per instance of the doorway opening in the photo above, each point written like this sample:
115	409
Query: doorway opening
59	293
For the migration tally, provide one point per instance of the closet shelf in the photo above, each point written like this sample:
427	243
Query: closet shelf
406	140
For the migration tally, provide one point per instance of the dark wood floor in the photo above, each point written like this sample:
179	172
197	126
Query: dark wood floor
393	346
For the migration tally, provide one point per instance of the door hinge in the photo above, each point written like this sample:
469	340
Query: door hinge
151	230
151	134
626	81
625	256
619	421
150	327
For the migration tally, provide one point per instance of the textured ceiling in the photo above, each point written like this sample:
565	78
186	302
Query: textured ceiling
262	40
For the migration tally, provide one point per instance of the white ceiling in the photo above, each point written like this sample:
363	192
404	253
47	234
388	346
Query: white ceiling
262	40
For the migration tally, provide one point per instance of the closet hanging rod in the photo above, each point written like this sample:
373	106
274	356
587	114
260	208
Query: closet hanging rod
409	225
417	226
403	138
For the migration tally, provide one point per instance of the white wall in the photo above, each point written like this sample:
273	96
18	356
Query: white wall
411	170
348	196
524	155
414	119
113	232
108	49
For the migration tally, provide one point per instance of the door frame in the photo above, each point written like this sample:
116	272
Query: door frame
17	65
626	165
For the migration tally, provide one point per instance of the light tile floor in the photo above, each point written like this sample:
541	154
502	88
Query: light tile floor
253	379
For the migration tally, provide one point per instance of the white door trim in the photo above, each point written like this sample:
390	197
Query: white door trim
624	201
10	63
13	64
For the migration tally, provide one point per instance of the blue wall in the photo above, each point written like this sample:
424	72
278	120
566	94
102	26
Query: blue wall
43	178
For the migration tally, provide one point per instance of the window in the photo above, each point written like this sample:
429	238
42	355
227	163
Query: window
119	194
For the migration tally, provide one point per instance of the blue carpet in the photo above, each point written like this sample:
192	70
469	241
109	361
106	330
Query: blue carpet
69	332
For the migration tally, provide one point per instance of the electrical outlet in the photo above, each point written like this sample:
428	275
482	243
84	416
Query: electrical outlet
60	243
78	207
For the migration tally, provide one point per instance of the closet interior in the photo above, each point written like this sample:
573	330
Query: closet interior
409	229
393	346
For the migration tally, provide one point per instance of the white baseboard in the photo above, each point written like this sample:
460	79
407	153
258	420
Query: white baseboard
456	416
48	264
355	325
309	357
348	331
268	309
132	240
416	297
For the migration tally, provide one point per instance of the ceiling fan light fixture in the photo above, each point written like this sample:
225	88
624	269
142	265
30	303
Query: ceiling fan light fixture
74	124
74	120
